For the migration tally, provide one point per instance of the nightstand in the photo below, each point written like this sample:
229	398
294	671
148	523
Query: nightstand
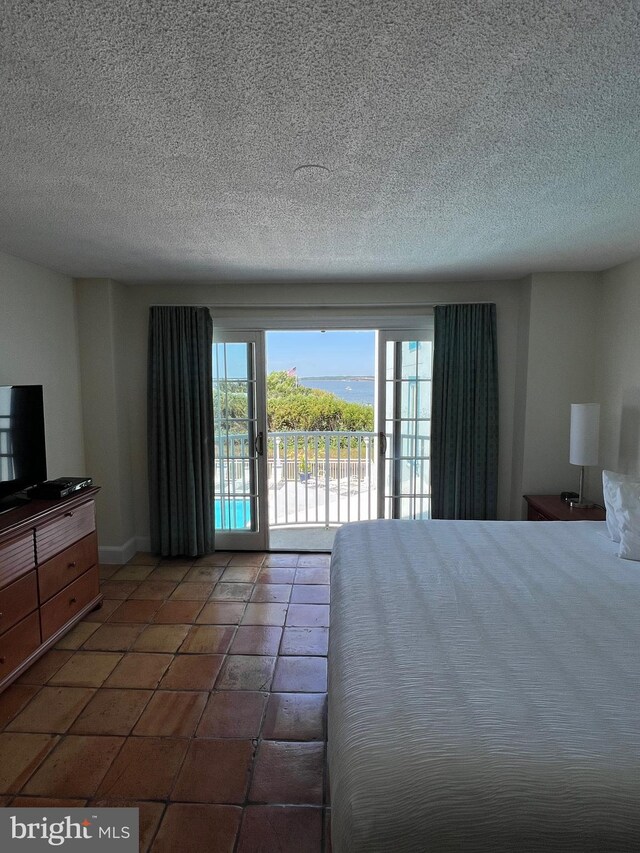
552	508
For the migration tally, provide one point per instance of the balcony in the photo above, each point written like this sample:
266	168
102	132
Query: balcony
319	480
315	480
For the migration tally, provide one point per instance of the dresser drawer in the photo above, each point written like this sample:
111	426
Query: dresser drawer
60	570
62	607
17	557
17	600
18	643
58	534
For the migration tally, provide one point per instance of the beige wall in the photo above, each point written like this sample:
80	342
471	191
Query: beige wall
563	316
617	370
101	310
520	398
39	346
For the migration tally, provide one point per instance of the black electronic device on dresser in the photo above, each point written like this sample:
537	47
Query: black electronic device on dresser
63	487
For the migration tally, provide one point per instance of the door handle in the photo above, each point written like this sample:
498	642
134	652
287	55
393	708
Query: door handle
259	444
383	443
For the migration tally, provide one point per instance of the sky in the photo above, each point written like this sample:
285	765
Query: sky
322	353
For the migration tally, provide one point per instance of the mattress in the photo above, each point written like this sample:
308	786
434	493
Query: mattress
484	688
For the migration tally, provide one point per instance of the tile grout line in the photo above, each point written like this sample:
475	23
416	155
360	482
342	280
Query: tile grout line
177	654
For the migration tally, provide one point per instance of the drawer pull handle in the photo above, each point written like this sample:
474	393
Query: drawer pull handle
73	600
72	565
2	659
68	515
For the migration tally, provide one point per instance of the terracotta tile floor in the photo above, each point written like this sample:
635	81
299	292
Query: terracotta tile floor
197	693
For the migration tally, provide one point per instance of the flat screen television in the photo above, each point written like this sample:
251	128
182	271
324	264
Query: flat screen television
23	457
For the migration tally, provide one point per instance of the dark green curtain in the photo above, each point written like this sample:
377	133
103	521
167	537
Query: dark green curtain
180	431
464	420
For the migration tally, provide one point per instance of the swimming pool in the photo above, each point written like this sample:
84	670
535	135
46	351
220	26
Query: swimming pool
232	513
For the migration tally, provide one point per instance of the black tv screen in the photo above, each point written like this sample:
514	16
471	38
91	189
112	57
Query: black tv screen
23	458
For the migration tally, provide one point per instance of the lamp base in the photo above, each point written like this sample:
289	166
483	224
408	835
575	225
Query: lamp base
581	504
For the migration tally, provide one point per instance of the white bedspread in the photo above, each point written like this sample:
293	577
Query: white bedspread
484	688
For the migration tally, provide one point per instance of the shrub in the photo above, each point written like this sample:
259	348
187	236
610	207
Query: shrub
292	407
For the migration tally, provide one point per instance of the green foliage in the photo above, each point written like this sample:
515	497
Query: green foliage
230	402
292	407
280	384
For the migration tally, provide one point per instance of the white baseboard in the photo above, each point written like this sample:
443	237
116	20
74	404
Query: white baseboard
117	555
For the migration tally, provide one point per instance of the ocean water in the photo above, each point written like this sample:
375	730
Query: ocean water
352	390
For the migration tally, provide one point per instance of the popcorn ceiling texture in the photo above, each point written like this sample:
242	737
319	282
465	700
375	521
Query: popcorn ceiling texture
158	140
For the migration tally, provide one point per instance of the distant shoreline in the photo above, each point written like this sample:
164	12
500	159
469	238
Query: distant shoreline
341	378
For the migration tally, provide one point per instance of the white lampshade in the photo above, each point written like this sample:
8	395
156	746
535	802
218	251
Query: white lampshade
585	428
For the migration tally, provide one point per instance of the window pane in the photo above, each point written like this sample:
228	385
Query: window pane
416	360
235	471
230	361
415	399
415	507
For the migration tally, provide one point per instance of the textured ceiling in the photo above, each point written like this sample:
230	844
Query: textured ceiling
460	138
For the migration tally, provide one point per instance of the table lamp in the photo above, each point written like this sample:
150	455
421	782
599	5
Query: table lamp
583	446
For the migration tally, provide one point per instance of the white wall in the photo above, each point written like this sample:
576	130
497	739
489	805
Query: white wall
39	346
618	369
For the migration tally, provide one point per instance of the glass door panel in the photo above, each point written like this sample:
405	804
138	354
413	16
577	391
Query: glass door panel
239	428
404	398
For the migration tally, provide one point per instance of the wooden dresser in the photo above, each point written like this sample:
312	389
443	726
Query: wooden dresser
49	576
552	508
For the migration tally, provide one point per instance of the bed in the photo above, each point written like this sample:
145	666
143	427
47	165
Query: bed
484	688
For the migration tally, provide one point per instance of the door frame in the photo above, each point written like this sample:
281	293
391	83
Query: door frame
385	320
385	452
250	540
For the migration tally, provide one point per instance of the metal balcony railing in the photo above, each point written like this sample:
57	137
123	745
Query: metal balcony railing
321	477
313	478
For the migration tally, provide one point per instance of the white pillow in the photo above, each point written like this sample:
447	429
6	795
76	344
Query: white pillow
628	515
610	484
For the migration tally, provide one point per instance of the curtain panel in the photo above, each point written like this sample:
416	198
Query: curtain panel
180	431
464	425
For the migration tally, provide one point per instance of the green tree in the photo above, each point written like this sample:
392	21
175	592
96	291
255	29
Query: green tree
230	404
292	407
280	384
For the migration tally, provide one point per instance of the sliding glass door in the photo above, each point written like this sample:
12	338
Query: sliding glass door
404	423
239	432
385	473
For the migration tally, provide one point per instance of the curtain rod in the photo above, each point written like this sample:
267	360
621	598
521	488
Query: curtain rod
235	306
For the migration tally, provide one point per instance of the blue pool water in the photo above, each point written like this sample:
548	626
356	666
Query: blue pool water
237	513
